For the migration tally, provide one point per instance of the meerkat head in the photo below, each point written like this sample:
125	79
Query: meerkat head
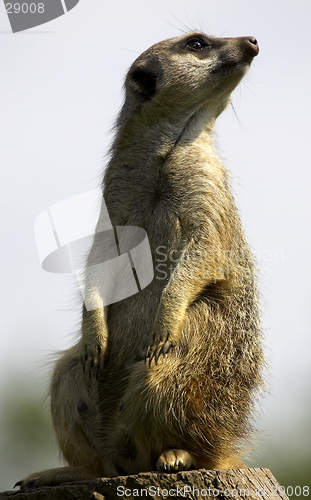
177	77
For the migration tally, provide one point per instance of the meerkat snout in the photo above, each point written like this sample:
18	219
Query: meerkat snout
251	45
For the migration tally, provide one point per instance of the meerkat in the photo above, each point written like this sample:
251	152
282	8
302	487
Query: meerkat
166	378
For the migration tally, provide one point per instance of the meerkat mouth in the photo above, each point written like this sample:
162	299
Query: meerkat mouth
248	50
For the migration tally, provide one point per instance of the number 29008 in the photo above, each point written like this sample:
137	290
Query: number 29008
25	8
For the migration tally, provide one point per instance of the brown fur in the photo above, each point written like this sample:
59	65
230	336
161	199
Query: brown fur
113	413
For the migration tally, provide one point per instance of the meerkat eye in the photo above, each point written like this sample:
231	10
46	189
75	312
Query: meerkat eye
196	45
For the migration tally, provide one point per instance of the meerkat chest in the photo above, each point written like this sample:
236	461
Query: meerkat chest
142	192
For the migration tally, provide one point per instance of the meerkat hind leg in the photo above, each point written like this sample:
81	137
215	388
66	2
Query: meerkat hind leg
174	460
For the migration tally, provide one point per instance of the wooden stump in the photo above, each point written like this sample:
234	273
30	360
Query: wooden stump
249	484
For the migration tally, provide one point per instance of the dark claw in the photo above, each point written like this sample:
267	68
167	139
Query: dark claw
19	483
157	354
147	353
151	356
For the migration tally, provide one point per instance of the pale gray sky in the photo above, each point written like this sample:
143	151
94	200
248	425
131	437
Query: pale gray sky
60	92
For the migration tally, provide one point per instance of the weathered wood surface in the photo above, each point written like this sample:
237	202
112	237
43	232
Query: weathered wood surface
252	484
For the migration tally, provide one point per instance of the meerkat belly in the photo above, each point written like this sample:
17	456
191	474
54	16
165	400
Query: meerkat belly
132	319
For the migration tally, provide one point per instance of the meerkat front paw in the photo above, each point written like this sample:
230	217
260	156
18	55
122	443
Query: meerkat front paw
174	460
93	359
157	349
166	334
94	351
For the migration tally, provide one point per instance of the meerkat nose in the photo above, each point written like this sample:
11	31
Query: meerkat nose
253	40
251	45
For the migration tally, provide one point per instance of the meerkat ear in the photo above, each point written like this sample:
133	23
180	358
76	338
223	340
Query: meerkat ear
143	81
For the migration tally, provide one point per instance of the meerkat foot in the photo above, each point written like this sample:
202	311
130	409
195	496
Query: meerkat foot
54	477
174	460
156	350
